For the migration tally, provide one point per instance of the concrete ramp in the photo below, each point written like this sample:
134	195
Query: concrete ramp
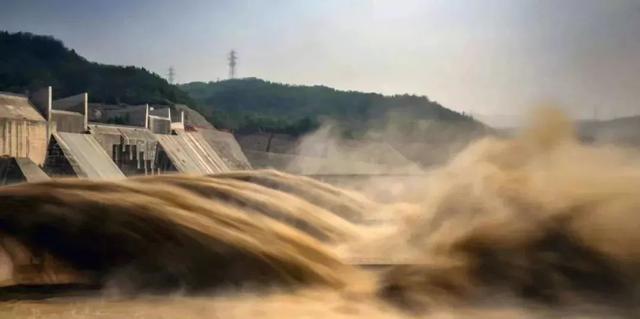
86	156
31	171
227	147
19	170
190	153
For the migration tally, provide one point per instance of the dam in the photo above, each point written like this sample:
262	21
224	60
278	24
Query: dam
135	201
72	137
548	235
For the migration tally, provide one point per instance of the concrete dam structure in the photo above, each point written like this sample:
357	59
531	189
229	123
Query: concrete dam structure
23	131
72	137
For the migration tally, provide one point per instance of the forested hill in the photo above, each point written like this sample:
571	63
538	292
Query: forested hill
29	62
252	104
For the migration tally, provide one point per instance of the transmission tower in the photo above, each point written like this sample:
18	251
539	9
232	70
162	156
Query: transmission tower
171	75
233	58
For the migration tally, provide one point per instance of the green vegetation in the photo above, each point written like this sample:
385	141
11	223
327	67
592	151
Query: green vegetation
121	120
249	105
256	122
29	62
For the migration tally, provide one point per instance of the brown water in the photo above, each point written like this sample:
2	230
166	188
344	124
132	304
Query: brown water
533	227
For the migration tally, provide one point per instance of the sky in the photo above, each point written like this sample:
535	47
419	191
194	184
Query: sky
495	59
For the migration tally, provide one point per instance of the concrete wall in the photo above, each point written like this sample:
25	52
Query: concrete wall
77	103
160	111
160	120
20	138
70	114
65	121
159	125
41	99
134	115
177	122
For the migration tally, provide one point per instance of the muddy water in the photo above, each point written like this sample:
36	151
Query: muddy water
532	227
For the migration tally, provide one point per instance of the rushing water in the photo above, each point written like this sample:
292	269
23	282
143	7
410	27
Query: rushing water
536	226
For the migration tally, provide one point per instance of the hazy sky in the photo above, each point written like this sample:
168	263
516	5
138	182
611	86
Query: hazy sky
487	57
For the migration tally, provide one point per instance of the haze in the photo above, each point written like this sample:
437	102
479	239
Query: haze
494	59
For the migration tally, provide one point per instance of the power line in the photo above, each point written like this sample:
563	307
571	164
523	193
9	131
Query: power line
233	58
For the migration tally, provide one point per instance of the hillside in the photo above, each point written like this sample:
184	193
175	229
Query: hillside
29	62
249	105
423	131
